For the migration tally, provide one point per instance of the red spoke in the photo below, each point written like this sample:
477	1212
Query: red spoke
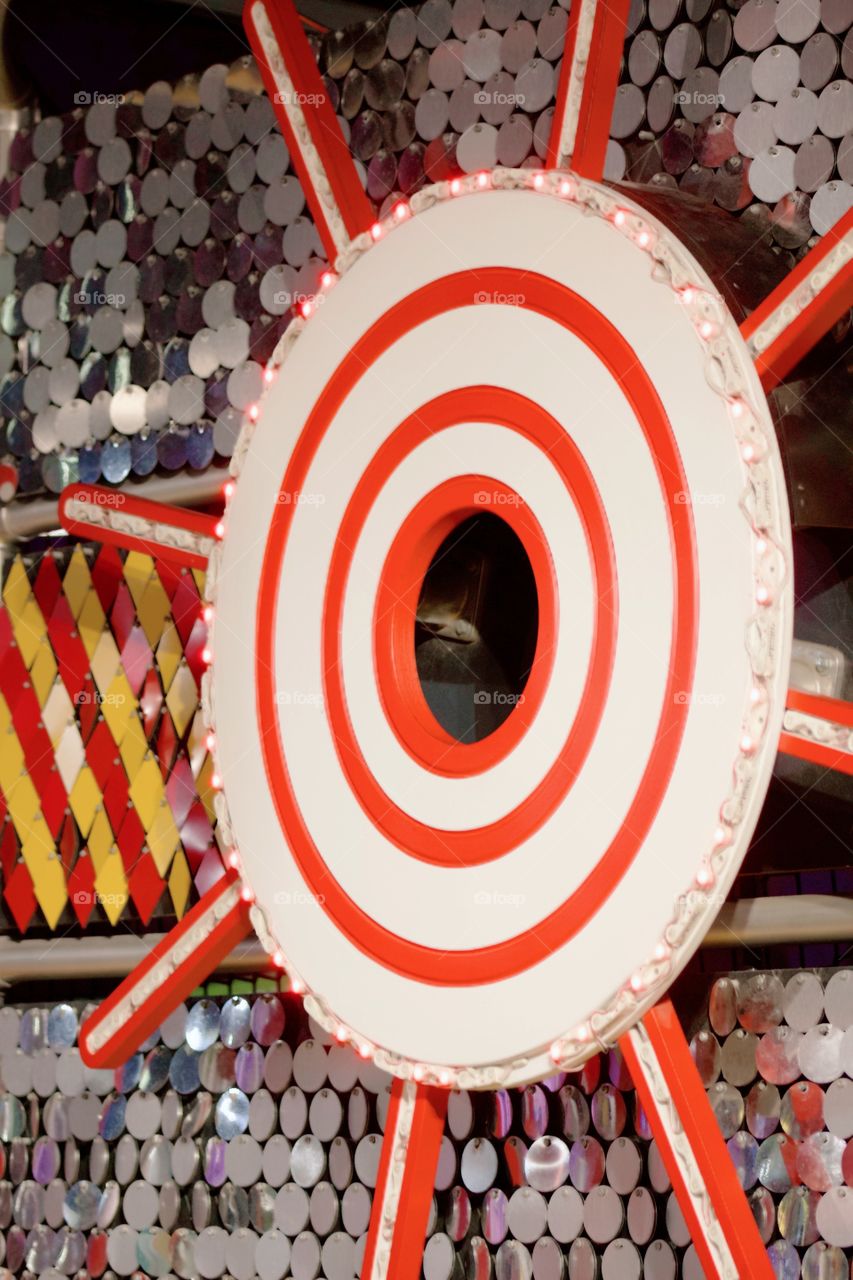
804	306
413	1129
587	89
138	524
320	154
703	1177
178	962
818	729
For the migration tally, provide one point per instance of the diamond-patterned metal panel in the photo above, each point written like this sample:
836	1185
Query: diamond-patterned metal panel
106	803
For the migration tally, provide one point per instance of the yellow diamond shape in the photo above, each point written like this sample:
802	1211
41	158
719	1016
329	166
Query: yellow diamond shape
12	767
118	705
43	672
111	885
197	744
100	839
138	569
206	792
77	581
91	623
153	610
169	654
133	746
29	628
16	588
179	883
146	791
105	661
23	804
46	869
84	798
182	698
163	837
70	755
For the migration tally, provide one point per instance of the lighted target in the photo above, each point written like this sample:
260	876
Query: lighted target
461	889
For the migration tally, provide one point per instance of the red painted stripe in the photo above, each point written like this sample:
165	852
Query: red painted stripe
396	605
339	169
798	338
599	88
706	1142
412	1214
816	753
517	954
227	932
125	504
816	704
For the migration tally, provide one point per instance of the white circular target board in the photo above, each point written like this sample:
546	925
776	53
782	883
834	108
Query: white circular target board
537	347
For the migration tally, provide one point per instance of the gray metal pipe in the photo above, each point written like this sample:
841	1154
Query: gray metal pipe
22	519
750	922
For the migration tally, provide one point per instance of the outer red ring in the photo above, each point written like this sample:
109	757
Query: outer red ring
517	954
478	844
411	553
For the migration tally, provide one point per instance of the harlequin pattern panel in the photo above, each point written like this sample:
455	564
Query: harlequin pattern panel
105	780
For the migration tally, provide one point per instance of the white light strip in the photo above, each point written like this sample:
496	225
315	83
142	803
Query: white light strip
826	733
577	80
789	311
388	1206
111	516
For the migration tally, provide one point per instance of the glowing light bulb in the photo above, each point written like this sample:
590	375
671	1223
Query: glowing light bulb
687	296
230	486
364	1050
482	179
761	545
305	309
556	1051
565	188
538	181
253	412
762	595
341	1034
418	1072
246	894
401	211
206	656
376	230
327	279
747	453
269	374
207	613
704	877
737	408
455	187
219	529
661	951
636	982
216	782
643	239
445	1078
706	328
746	744
296	986
210	742
234	859
278	959
755	694
619	218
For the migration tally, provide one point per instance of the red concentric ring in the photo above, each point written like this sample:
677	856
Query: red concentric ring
521	952
481	844
421	534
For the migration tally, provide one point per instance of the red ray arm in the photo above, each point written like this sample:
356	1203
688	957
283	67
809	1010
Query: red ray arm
398	1223
137	524
320	154
703	1176
177	964
818	729
804	306
587	87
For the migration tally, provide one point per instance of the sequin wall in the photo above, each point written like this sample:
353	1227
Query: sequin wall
239	1142
105	797
157	247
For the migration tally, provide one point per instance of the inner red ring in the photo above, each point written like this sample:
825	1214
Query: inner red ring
516	954
476	845
421	534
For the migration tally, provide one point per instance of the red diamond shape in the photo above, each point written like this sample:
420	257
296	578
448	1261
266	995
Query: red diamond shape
180	790
167	743
193	649
186	607
8	851
106	576
54	801
115	797
81	888
146	887
6	636
19	896
88	708
47	585
170	576
68	844
210	870
102	754
123	615
136	658
68	648
130	839
151	700
196	834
